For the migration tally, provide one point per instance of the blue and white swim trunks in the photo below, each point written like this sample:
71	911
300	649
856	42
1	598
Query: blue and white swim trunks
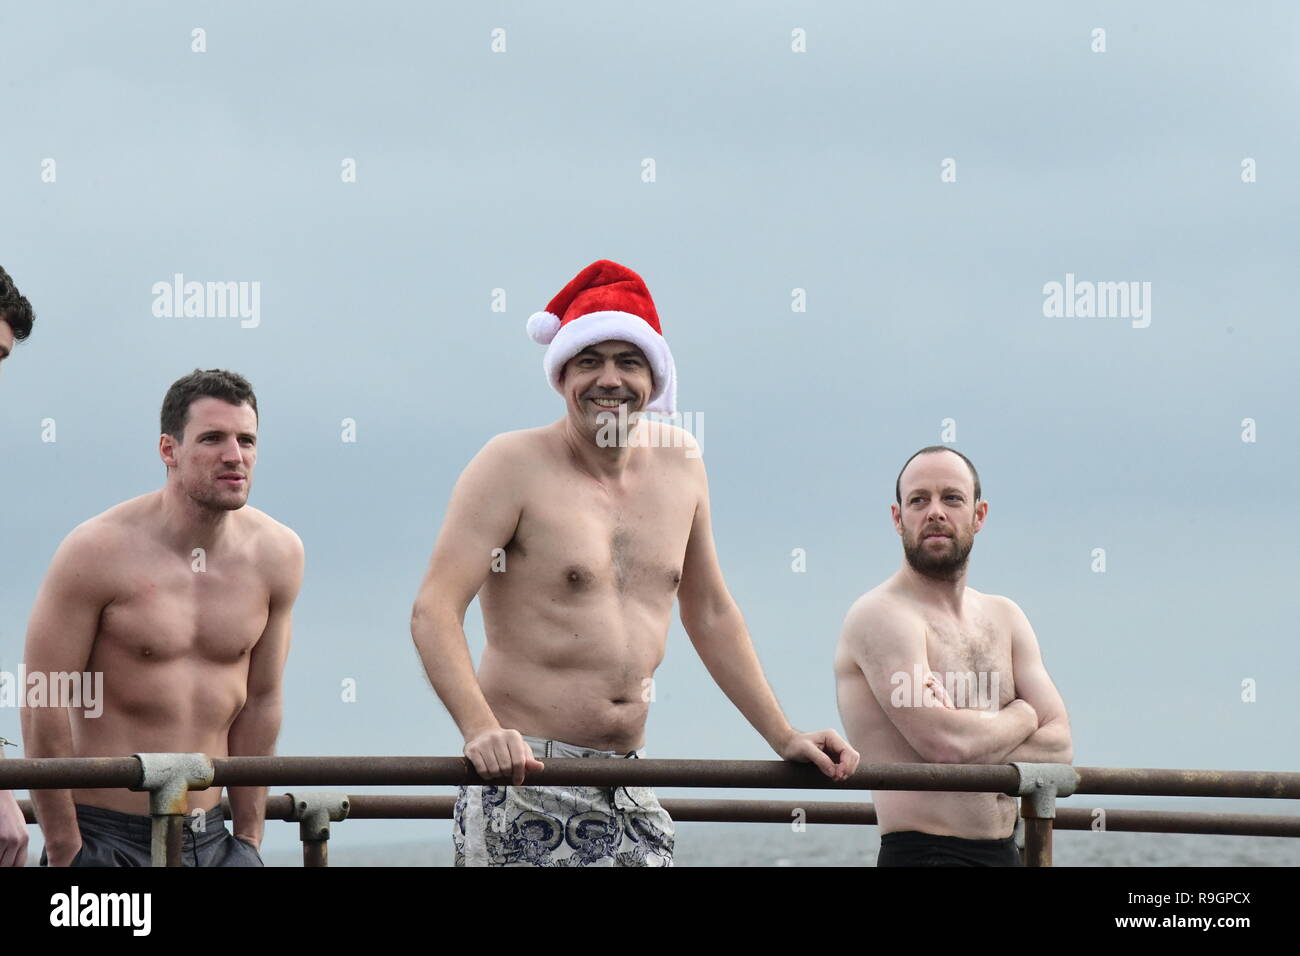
562	826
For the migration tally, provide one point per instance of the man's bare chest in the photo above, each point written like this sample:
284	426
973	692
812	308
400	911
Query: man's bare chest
975	654
169	609
588	544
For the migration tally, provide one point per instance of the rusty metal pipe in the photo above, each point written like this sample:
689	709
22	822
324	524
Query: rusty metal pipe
1038	841
570	771
1134	781
415	807
1181	821
102	772
64	773
315	853
770	811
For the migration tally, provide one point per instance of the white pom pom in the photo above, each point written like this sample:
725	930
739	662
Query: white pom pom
542	327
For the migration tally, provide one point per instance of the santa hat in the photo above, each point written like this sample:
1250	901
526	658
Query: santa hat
604	302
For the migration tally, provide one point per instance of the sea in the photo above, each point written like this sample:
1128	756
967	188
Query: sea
756	844
428	842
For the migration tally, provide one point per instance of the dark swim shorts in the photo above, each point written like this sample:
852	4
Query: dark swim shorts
913	848
110	838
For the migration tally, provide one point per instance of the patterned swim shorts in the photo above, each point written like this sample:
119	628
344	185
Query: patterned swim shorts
562	826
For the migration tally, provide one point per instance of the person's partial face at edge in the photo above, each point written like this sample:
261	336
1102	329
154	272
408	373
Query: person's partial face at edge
604	378
938	518
214	460
6	341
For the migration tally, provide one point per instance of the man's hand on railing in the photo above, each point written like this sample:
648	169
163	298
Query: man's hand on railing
501	753
13	832
819	747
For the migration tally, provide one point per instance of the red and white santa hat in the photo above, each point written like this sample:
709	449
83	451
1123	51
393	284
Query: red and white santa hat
604	302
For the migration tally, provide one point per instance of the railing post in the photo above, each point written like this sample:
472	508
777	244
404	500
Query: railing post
314	811
1040	785
169	778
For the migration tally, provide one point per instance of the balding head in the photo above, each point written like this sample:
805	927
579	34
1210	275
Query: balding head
974	488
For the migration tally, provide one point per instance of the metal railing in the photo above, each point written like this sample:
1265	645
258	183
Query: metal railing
168	777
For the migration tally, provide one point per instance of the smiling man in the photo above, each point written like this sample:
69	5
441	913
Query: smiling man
16	319
929	670
577	547
181	598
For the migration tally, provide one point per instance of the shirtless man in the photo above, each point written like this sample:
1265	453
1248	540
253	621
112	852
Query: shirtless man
931	671
16	320
181	598
577	542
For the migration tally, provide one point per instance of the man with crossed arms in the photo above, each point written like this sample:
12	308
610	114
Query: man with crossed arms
925	626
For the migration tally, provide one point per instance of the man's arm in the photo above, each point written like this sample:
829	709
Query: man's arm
890	650
13	828
1051	742
255	730
717	629
482	516
60	634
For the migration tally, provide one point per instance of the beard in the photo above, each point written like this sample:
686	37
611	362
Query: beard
212	499
942	564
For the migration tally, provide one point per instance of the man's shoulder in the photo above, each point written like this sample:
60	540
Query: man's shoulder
91	557
270	533
672	442
113	528
877	615
521	444
999	607
278	549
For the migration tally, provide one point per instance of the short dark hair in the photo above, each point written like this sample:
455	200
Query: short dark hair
14	307
212	383
929	449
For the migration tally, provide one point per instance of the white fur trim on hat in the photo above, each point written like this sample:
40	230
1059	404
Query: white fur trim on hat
577	334
542	327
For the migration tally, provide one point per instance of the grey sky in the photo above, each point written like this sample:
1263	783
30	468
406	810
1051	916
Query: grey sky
775	170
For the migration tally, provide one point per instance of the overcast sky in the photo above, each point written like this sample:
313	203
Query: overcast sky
773	171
